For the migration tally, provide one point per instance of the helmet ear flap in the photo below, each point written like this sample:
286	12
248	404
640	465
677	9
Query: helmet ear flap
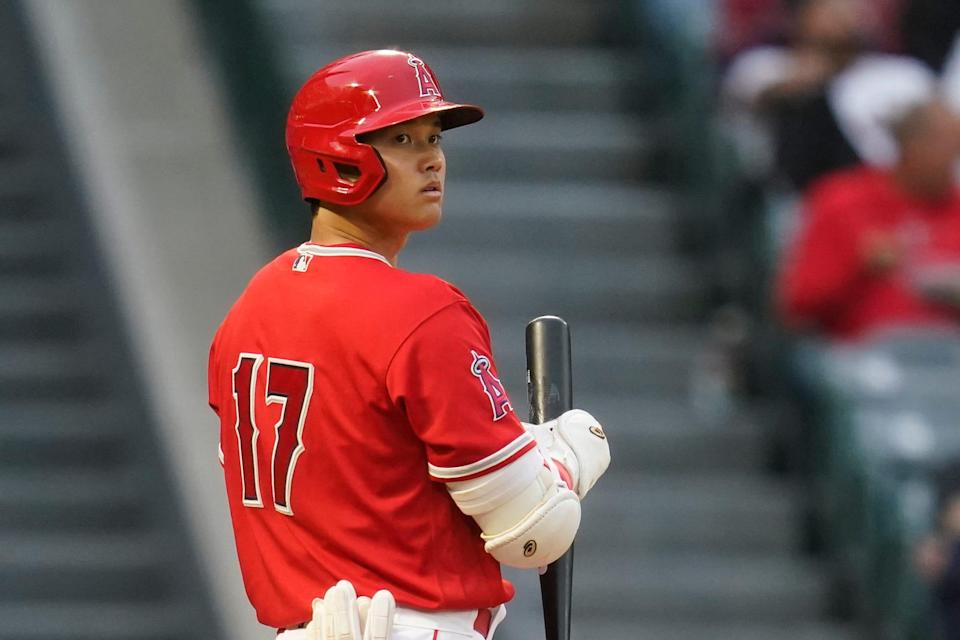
342	181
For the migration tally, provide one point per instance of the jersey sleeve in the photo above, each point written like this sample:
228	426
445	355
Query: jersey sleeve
213	389
443	378
213	384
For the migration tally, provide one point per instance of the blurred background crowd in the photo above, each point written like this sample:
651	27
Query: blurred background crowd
841	119
746	209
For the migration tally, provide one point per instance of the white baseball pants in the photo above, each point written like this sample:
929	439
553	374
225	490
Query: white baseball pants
410	624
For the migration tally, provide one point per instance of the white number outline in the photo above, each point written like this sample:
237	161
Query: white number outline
301	420
257	361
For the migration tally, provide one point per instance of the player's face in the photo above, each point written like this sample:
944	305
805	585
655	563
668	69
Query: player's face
411	199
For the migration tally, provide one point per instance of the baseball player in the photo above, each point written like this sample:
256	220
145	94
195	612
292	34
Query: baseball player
365	434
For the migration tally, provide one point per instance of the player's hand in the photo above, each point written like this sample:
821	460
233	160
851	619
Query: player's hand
341	615
881	253
577	441
376	615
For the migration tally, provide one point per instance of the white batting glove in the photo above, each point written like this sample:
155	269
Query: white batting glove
376	615
341	615
577	441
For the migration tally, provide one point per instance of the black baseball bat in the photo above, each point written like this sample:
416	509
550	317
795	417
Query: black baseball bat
550	390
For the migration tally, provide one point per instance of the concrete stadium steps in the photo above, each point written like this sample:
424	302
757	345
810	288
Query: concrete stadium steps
739	446
64	436
91	568
30	372
17	239
62	448
672	513
702	586
71	501
607	218
105	620
546	80
589	626
559	146
639	288
91	546
449	22
37	419
21	254
38	359
617	359
20	177
46	320
38	297
650	431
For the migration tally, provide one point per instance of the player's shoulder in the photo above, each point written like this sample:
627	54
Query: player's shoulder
429	286
412	298
423	294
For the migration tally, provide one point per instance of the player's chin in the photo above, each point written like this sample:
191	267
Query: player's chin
427	216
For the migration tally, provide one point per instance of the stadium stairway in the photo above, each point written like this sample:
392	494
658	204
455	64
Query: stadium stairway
550	209
91	543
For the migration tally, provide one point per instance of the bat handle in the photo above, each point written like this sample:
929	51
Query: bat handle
558	612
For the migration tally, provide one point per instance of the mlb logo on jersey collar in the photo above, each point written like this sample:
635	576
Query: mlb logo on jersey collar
302	263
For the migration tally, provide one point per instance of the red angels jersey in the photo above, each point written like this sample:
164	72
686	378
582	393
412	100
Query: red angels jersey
348	393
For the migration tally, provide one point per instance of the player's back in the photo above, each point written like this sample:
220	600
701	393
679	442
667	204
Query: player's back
325	477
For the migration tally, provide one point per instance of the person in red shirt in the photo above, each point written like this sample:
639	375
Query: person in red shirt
365	434
880	249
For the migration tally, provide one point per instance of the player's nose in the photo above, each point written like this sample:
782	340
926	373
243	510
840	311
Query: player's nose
432	160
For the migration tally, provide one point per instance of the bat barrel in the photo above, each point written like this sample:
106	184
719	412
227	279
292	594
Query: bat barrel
549	375
550	390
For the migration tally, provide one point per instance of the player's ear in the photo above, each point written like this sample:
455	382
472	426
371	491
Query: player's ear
348	172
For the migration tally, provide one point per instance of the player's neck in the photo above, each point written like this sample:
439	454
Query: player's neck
330	228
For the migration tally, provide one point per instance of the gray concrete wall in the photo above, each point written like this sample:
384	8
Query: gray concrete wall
173	207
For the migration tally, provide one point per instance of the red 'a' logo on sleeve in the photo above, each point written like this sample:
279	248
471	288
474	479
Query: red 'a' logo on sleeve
491	385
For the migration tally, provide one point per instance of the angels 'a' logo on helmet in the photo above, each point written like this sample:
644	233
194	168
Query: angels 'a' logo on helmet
428	88
492	386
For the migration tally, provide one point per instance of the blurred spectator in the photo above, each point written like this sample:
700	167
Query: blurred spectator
937	557
881	248
928	29
818	105
748	23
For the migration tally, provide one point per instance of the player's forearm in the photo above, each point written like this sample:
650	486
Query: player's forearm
529	510
527	513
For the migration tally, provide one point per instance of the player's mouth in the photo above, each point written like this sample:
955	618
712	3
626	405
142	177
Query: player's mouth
433	190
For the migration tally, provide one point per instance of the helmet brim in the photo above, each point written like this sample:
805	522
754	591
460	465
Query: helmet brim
451	115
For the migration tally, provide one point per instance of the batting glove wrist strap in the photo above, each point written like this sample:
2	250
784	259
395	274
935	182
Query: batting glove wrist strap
577	441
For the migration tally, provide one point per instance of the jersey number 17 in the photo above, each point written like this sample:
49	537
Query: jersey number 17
289	384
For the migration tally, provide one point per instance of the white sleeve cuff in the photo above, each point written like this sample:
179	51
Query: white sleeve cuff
494	461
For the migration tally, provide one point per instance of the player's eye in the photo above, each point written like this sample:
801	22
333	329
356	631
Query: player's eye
435	138
402	138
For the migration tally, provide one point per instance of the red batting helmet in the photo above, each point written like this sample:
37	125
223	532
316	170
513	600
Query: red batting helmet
350	96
